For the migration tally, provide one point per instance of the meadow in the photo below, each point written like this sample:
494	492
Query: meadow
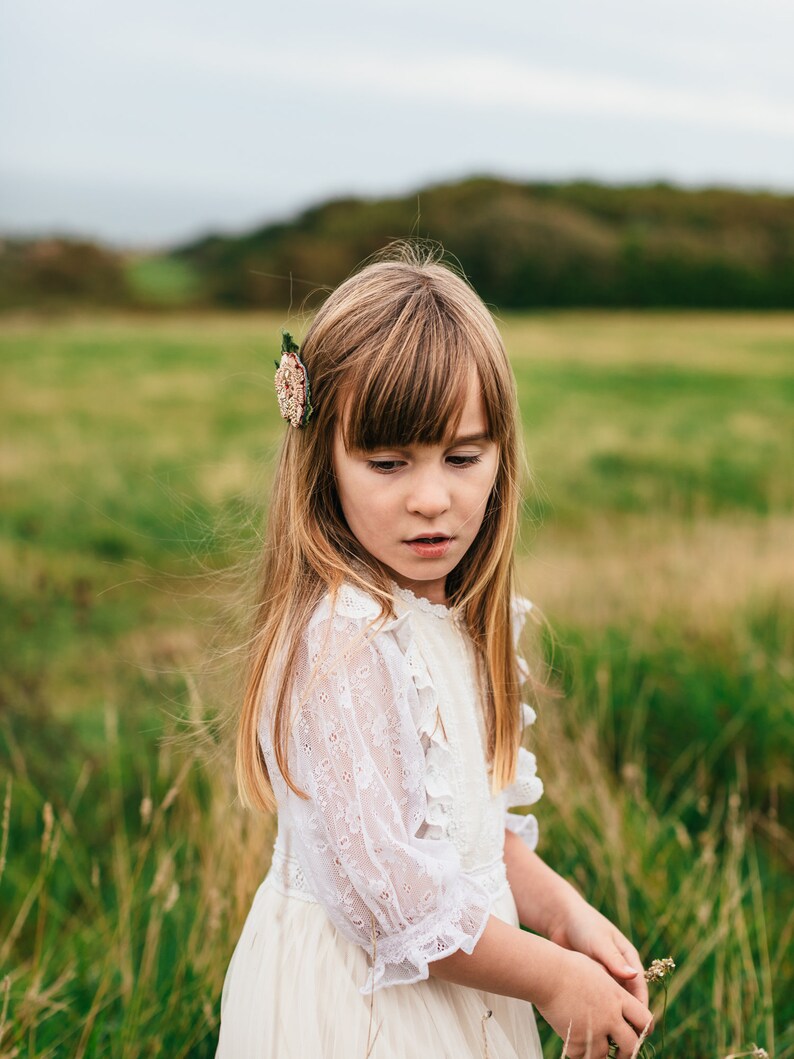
656	539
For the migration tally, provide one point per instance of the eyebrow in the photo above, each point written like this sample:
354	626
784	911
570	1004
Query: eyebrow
470	439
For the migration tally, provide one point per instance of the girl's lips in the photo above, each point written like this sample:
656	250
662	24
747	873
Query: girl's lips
428	550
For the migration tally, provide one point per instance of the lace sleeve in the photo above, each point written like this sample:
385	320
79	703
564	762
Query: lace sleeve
357	754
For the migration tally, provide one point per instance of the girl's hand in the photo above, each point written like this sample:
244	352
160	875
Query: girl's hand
586	1007
585	930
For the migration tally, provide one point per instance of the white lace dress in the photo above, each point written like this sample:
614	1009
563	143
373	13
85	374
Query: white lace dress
394	860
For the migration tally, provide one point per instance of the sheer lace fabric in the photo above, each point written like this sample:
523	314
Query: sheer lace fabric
400	839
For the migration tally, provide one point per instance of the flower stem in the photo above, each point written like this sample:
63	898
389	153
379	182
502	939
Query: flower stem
664	1012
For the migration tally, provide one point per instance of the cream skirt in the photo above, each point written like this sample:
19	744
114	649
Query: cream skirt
291	992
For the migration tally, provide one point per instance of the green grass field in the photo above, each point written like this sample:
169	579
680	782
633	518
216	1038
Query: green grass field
657	540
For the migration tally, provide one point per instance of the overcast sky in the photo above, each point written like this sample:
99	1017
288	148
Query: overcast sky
151	122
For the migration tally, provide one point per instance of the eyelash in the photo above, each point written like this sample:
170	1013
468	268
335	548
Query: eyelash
387	466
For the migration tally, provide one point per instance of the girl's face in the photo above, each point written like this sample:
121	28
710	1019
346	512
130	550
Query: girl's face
417	510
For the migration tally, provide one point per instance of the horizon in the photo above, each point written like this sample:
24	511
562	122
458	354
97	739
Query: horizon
290	215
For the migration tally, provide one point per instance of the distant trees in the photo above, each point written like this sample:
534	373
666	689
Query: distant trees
522	245
57	273
532	245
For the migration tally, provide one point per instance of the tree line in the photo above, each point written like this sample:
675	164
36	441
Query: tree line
522	245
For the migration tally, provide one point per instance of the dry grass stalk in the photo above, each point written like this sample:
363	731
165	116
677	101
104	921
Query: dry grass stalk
370	1039
5	827
484	1018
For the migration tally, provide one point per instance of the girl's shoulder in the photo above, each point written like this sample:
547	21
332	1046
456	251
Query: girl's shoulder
350	617
352	622
349	632
349	604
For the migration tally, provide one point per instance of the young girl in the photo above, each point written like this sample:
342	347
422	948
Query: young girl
382	719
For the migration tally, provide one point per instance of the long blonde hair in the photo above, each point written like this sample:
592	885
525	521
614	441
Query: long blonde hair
395	346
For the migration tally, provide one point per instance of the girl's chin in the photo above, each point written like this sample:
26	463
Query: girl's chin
423	577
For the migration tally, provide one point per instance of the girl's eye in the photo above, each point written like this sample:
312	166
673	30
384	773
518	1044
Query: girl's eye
464	461
390	466
384	466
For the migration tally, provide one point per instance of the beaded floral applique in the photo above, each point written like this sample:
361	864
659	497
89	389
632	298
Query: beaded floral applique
292	384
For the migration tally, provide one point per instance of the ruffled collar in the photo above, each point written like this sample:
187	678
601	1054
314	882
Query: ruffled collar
440	610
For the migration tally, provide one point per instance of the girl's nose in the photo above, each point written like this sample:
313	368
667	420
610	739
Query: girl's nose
429	495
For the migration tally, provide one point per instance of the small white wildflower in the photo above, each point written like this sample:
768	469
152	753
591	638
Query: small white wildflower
659	970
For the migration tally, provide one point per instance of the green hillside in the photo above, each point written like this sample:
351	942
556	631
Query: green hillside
530	245
524	246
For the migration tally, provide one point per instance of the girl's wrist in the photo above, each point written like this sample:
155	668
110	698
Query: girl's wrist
554	969
510	962
544	900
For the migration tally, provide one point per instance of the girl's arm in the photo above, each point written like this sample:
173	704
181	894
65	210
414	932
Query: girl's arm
574	994
549	905
543	898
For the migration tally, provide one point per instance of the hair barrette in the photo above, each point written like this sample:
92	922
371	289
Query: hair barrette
292	384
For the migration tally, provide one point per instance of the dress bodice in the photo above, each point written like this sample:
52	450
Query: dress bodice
472	818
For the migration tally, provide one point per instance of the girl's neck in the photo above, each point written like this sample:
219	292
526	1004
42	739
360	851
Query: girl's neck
434	591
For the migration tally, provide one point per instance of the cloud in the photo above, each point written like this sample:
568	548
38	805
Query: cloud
483	81
493	82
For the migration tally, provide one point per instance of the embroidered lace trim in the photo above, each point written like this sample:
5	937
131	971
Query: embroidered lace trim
438	609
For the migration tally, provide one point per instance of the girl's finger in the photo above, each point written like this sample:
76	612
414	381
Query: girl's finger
617	964
629	975
637	1015
625	1039
638	986
623	962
